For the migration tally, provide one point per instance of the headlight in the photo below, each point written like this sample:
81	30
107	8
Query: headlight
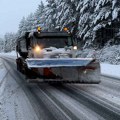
37	49
75	47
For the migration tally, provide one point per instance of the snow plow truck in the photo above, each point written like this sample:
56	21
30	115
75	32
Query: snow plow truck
51	57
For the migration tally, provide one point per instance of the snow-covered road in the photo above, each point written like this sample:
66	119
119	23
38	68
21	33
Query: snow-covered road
19	101
13	101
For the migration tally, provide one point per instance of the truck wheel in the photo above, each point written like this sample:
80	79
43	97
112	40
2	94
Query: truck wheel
19	66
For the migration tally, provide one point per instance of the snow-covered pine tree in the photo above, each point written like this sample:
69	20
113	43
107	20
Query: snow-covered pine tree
102	22
106	24
68	15
13	41
1	45
116	20
22	27
116	10
97	23
94	22
39	16
30	22
10	40
50	15
85	18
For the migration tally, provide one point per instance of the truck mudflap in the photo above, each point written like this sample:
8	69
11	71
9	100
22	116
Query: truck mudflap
67	70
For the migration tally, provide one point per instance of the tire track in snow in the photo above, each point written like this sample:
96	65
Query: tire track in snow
69	104
94	103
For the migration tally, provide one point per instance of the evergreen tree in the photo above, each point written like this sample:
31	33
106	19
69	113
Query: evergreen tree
68	15
106	21
10	42
93	22
22	27
50	15
39	16
30	22
1	45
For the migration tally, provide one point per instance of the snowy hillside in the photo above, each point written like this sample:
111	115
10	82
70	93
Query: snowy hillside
109	54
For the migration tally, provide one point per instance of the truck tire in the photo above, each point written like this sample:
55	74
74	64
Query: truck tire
20	65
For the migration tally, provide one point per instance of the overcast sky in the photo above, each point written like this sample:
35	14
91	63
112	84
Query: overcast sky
12	11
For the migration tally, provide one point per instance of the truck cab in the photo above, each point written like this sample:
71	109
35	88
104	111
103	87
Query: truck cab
46	44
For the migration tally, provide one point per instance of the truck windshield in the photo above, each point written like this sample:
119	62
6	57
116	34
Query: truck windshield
58	42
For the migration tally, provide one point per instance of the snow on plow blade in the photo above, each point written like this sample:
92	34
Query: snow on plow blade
70	70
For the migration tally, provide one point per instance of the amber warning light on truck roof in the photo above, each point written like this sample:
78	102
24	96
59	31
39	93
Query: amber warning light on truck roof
65	29
38	29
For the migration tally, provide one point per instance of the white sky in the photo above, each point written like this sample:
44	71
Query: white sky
12	11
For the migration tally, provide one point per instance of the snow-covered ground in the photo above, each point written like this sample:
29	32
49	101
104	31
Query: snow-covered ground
13	101
9	54
3	73
110	70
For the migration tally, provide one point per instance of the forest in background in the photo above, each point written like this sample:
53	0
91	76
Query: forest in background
94	23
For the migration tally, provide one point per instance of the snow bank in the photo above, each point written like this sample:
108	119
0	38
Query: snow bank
110	70
9	54
108	54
